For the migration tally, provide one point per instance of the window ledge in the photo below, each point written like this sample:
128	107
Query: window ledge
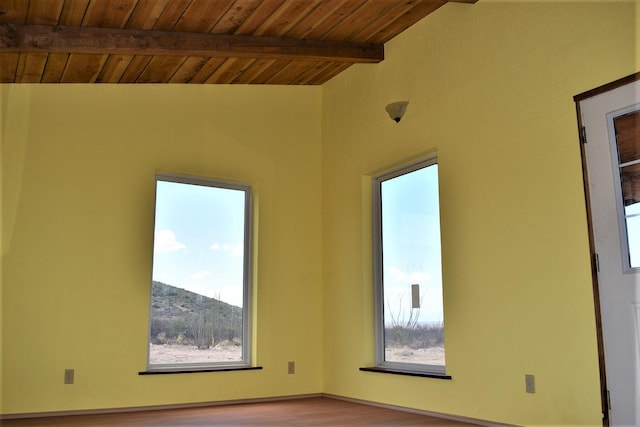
397	371
196	371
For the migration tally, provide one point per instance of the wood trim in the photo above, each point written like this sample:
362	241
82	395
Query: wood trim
607	87
156	407
117	41
396	371
199	371
592	250
440	415
419	411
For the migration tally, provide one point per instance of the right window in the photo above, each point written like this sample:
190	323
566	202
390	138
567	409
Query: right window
408	269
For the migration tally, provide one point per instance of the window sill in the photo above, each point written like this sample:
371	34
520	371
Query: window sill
196	371
396	371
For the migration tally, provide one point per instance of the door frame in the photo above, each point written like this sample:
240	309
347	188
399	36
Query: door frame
604	397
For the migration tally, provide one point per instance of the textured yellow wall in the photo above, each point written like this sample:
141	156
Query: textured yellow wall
490	87
77	224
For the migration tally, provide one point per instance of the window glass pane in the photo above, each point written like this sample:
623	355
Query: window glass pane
198	303
632	213
411	268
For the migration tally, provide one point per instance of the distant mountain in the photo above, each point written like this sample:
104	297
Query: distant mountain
179	316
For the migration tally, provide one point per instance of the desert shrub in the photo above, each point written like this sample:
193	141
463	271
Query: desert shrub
415	336
161	338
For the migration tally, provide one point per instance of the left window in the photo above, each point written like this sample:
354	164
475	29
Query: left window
201	280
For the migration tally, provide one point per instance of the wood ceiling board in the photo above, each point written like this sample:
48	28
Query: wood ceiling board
312	74
335	19
44	12
188	69
357	22
287	16
160	69
287	75
171	14
114	68
146	14
8	67
14	11
317	17
202	15
30	67
235	16
135	68
56	63
83	68
230	70
288	41
73	12
258	16
274	68
407	19
206	70
258	67
108	13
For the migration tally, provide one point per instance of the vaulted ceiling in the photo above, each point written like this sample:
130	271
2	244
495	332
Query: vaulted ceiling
291	42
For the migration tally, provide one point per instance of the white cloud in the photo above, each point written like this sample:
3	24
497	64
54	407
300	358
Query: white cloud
237	250
165	241
234	250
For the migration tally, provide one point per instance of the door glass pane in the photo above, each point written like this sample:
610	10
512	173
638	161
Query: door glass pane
627	135
632	213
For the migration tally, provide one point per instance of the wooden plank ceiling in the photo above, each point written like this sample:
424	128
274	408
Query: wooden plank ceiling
290	42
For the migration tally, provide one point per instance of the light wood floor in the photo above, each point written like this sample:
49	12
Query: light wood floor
313	411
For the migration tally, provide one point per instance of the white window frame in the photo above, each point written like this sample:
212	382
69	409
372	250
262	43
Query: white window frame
379	305
247	338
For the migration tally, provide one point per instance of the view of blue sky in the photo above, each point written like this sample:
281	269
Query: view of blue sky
199	235
411	244
199	239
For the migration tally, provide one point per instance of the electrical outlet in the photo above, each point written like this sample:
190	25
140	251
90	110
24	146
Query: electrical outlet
530	383
291	368
68	376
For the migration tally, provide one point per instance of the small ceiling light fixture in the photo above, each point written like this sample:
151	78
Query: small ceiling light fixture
396	110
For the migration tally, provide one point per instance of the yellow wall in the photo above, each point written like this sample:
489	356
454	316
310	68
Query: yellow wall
78	172
490	89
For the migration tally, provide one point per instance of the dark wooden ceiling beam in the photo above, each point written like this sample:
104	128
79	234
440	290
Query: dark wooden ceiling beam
83	40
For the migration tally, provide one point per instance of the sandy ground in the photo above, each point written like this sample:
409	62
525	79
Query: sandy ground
431	356
190	354
225	352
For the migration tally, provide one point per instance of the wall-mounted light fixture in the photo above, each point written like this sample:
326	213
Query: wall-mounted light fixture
396	110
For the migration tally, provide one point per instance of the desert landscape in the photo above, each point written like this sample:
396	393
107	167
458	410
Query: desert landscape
228	352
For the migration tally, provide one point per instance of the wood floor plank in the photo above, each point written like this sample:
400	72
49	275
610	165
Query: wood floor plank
313	411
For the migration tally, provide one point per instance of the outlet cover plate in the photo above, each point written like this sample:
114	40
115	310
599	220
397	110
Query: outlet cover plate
530	383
